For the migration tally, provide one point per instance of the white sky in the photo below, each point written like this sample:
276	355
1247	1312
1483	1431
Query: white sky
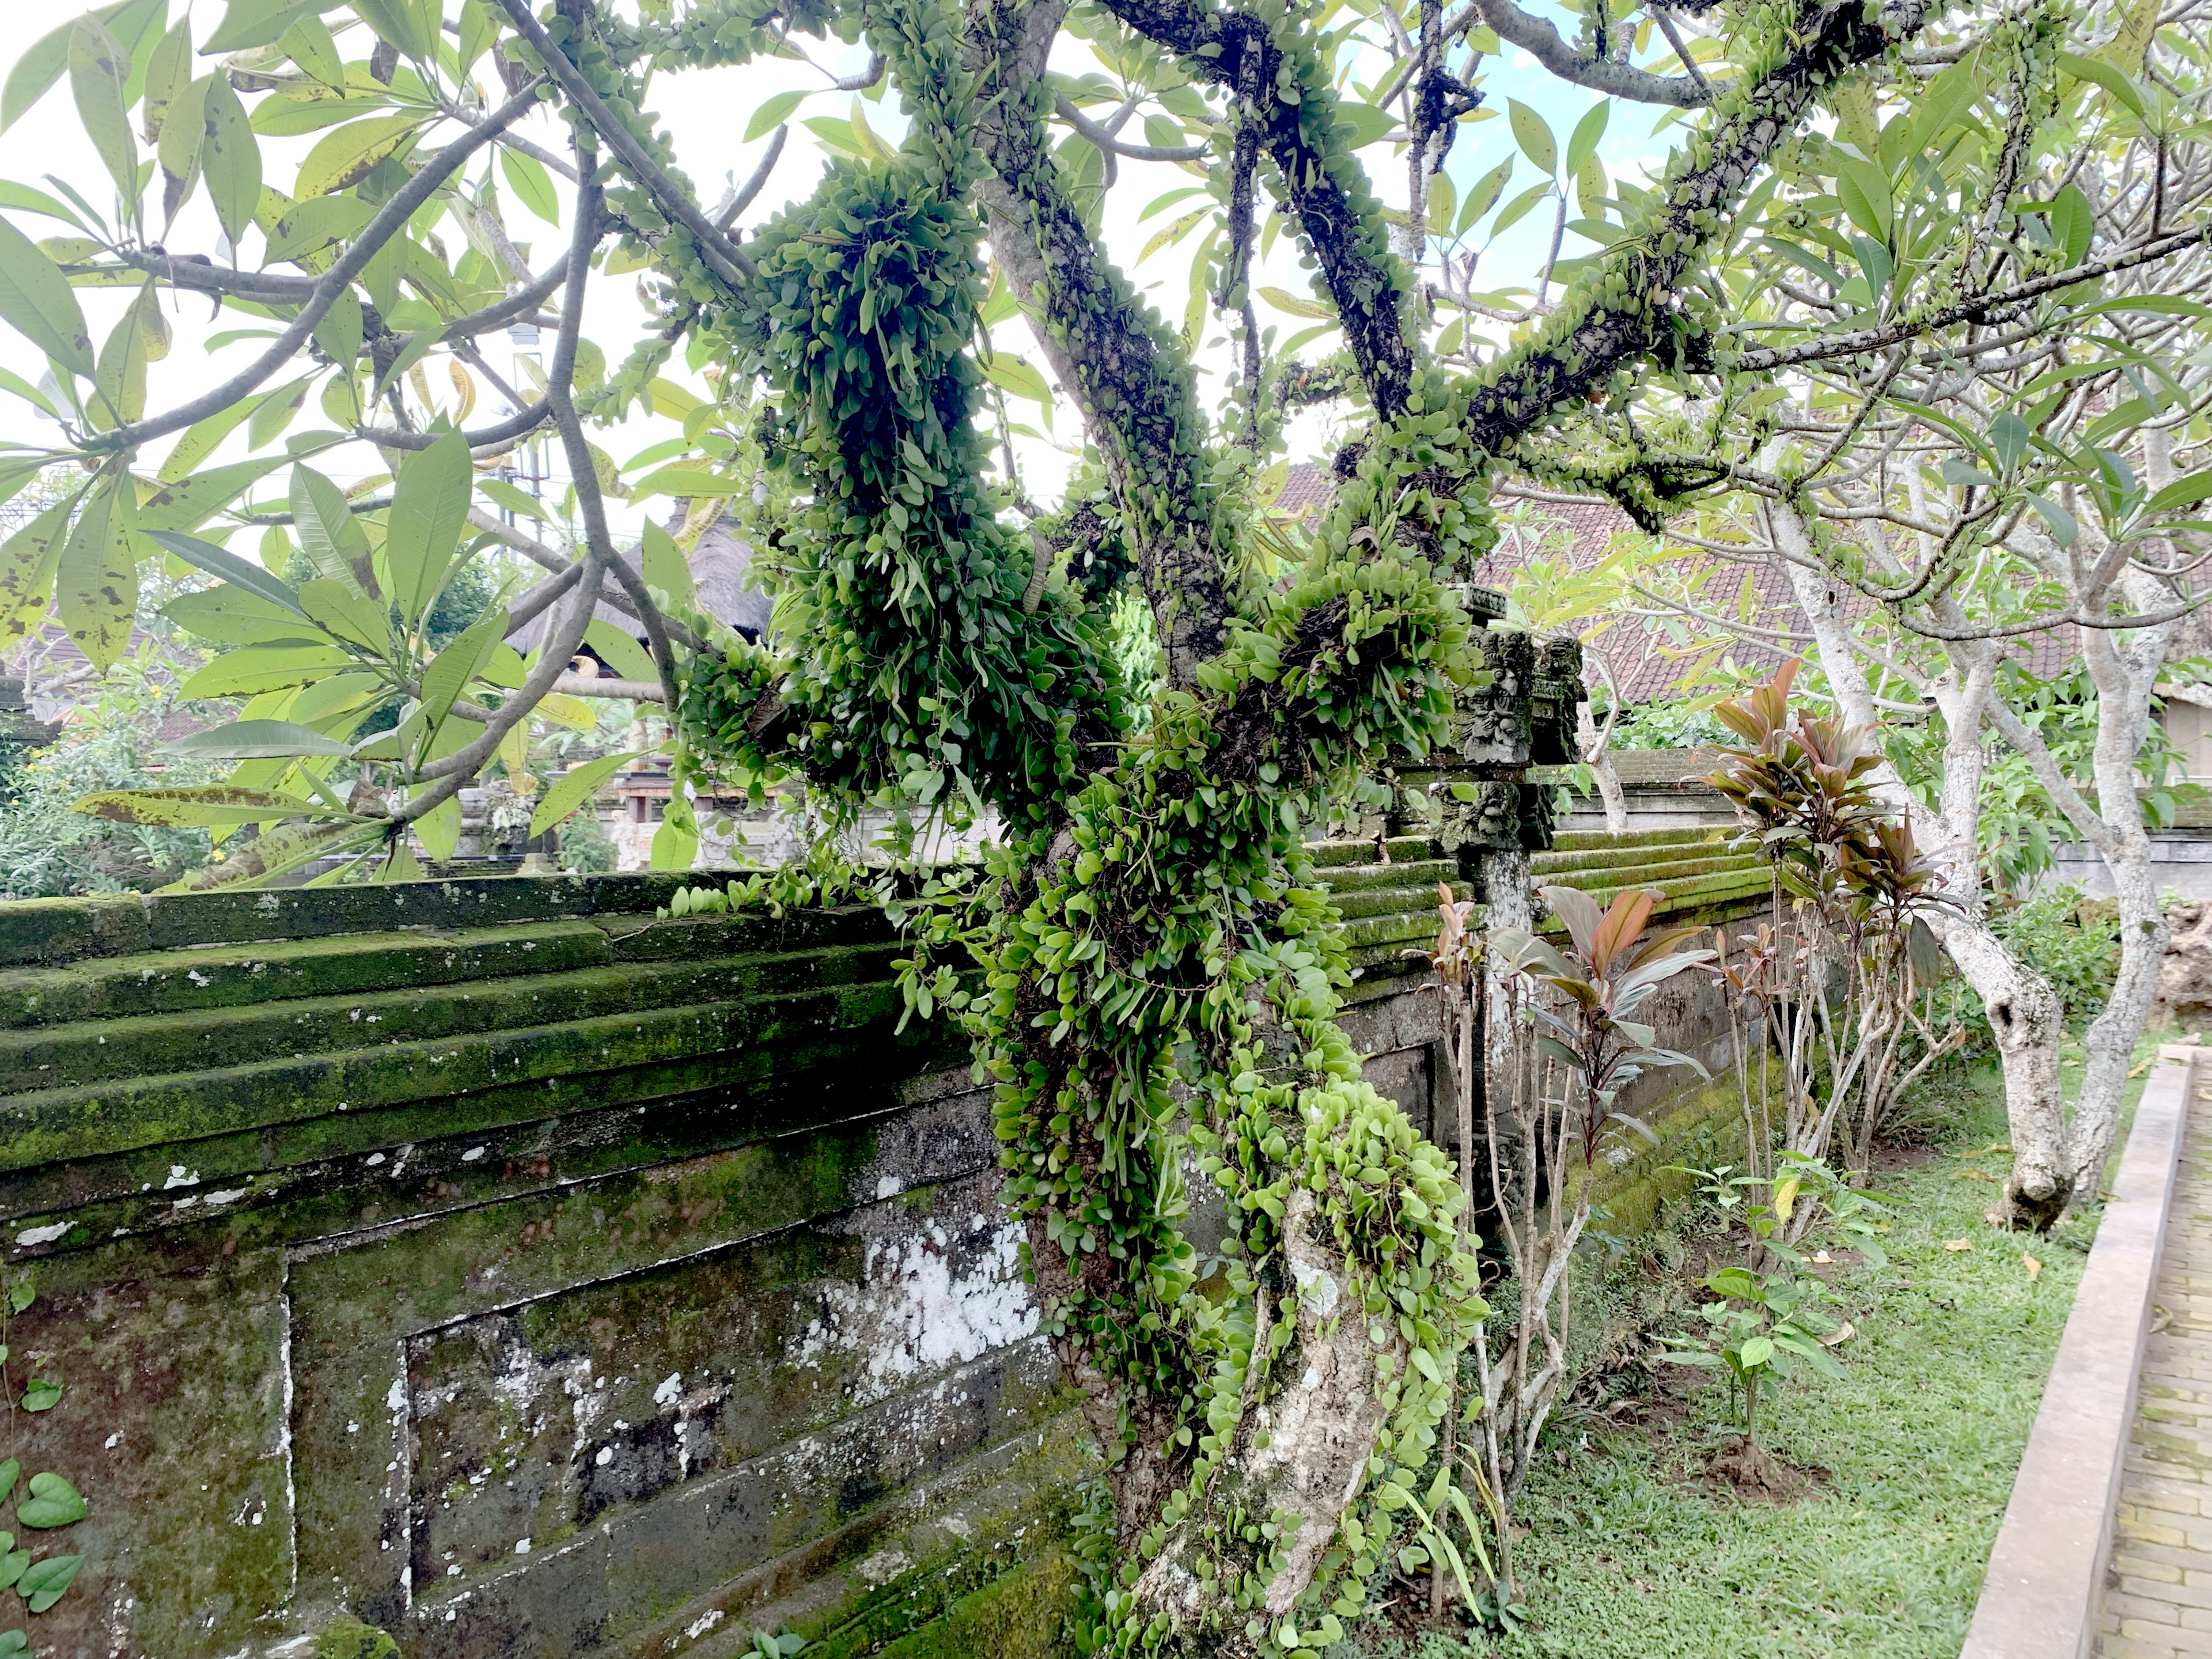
707	111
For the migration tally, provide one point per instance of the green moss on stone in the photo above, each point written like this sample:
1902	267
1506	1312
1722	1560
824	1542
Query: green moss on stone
350	1640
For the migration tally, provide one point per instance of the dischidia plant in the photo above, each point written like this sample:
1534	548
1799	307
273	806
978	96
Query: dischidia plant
1142	956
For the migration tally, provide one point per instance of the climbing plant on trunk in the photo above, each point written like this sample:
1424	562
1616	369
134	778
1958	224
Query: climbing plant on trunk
1142	957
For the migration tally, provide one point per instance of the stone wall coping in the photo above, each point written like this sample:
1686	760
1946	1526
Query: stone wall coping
2047	1574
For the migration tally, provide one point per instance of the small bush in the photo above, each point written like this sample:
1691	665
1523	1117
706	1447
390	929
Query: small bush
2072	942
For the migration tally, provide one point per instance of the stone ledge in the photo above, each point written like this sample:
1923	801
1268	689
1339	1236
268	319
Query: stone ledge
2045	1579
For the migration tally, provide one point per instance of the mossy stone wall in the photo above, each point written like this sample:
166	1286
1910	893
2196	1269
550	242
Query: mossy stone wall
524	1274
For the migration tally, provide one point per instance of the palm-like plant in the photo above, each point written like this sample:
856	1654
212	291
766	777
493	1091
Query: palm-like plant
1854	974
1566	1044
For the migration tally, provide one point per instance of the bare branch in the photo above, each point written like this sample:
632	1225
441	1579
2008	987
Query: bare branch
1065	108
1536	37
387	223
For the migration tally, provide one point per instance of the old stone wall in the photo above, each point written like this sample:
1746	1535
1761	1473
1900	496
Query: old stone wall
527	1273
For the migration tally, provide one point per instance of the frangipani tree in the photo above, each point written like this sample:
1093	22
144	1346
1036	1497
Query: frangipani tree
1158	982
1970	423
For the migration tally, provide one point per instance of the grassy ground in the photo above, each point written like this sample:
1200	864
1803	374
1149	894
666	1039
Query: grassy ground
1630	1554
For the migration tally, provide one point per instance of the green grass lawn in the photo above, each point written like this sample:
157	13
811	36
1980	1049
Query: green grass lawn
1628	1554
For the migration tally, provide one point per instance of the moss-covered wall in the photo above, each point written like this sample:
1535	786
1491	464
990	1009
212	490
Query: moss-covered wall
526	1275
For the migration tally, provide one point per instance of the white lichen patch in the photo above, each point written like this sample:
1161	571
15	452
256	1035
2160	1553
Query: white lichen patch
924	1302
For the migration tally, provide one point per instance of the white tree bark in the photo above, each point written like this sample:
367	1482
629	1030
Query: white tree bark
2026	1016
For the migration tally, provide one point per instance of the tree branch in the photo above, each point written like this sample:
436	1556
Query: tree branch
1341	221
1573	358
1130	378
387	223
723	256
1536	37
1988	307
1064	106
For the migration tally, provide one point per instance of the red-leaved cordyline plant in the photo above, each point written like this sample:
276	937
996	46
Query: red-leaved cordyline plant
1564	1045
1849	970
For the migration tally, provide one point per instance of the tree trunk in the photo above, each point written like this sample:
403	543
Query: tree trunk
2026	1016
1598	754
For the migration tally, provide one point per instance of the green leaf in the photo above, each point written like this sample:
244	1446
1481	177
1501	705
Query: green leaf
230	159
36	301
256	740
13	195
439	829
307	43
99	68
219	561
1514	210
27	561
531	183
773	112
1588	131
43	1582
1534	134
2183	492
430	506
2009	437
619	651
11	1471
41	1396
330	537
348	154
320	223
96	584
1865	196
168	72
249	23
397	23
34	73
1016	374
1364	124
1289	303
452	669
664	567
575	787
182	138
344	612
696	478
2103	75
253	669
1944	101
52	1503
118	379
500	493
12	1563
183	807
231	616
1485	194
2073	223
280	848
2063	527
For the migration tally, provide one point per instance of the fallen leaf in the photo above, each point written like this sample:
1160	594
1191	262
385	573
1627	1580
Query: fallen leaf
1975	1174
1957	1243
2034	1267
1822	1257
1842	1334
2139	1070
1995	1146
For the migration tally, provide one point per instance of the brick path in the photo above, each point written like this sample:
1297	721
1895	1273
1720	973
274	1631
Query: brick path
2158	1591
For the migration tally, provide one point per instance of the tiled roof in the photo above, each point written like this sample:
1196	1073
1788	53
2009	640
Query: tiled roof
1649	660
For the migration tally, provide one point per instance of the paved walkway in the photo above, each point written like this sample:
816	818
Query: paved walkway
2157	1594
